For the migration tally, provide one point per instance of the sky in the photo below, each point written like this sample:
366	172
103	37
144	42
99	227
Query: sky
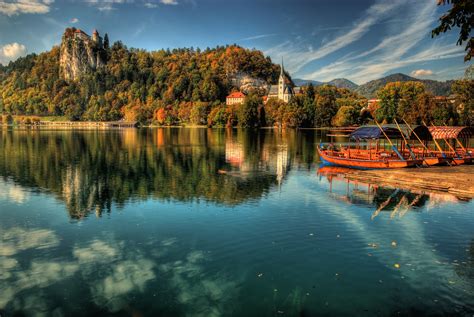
360	40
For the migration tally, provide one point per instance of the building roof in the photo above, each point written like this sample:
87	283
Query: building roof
236	94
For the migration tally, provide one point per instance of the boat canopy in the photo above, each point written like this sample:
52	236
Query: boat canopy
443	132
368	132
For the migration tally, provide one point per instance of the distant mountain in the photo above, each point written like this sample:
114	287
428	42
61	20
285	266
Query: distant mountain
305	82
338	82
343	83
438	88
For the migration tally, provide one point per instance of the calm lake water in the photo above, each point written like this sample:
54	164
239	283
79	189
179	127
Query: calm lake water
200	222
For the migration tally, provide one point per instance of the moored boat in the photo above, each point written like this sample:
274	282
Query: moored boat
381	160
451	138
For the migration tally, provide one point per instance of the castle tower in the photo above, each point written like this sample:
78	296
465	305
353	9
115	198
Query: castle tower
95	36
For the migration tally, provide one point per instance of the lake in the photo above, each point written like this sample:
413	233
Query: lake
209	222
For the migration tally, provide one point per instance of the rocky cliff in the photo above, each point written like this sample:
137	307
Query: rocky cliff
80	54
246	83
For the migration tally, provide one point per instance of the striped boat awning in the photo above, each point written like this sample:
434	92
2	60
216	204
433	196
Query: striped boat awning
451	132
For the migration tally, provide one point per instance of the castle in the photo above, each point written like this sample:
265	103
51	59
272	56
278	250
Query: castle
80	53
283	90
80	34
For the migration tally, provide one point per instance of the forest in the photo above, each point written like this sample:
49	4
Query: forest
188	87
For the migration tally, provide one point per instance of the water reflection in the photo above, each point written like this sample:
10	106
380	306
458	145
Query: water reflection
394	202
272	238
92	170
112	274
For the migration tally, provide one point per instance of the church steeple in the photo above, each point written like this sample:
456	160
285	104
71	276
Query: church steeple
282	69
281	82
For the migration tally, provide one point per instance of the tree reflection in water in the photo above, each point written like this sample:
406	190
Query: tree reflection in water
92	170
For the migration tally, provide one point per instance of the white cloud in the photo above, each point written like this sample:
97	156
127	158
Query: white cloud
126	277
150	5
299	55
9	191
169	2
17	239
257	37
74	20
97	251
16	7
11	52
106	5
421	72
401	48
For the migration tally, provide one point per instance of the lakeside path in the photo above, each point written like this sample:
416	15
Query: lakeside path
456	180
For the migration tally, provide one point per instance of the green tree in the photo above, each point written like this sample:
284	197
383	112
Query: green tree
199	113
460	14
218	117
247	113
399	100
464	89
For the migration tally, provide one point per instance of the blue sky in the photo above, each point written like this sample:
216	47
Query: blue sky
319	39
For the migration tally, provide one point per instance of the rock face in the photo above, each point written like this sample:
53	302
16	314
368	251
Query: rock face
245	83
80	54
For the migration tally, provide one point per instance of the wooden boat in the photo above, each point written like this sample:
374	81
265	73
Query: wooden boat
381	160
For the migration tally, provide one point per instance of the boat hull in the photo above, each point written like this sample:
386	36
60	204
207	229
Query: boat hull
367	164
431	161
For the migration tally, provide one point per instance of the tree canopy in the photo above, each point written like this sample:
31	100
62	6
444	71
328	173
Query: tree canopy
461	15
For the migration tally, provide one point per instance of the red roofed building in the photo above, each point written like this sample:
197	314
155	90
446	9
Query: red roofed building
235	98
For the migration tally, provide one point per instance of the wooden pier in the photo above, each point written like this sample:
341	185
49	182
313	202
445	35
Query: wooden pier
456	180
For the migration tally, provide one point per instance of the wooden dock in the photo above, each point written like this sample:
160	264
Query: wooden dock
456	180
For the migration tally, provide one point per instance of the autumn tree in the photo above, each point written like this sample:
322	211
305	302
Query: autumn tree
248	111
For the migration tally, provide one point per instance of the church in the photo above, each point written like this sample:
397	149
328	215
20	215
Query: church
283	90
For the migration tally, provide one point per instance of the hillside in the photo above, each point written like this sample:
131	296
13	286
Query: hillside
343	83
305	82
338	82
80	82
437	88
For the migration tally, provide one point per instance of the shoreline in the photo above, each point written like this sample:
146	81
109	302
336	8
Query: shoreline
134	125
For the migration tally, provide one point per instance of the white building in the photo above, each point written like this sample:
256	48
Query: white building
283	90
